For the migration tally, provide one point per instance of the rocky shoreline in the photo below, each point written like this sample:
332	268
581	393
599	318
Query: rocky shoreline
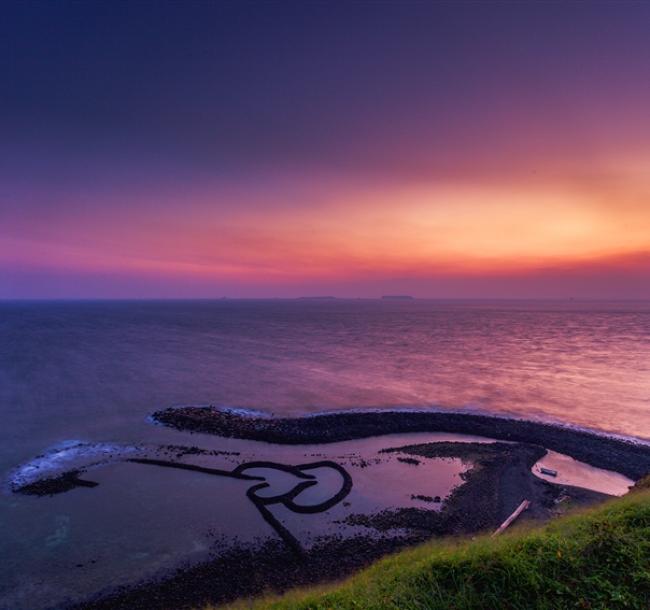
499	479
628	458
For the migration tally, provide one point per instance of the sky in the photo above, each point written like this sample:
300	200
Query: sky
280	149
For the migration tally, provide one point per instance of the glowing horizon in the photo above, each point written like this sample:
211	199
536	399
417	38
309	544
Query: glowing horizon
540	189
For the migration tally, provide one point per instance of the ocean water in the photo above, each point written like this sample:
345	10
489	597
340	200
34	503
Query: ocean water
78	381
95	370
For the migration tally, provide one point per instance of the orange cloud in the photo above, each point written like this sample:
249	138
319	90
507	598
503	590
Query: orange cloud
332	229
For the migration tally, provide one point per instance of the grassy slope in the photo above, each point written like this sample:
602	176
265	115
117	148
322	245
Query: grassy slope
596	559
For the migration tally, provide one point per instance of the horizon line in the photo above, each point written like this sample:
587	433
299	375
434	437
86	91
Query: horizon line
322	298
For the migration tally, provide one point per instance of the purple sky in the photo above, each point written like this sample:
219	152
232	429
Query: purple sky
167	149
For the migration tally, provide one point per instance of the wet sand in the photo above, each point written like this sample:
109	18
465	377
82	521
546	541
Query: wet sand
500	475
156	508
499	479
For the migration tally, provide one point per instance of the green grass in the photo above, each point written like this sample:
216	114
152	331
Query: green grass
598	558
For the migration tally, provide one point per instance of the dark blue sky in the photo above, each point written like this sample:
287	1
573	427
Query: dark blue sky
285	83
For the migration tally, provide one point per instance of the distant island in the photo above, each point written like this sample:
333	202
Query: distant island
317	298
398	297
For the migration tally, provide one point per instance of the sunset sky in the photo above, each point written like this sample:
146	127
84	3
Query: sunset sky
163	149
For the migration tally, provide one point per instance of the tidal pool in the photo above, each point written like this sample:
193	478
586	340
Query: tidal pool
143	519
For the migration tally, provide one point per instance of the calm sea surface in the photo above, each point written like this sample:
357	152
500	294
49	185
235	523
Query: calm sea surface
91	373
95	370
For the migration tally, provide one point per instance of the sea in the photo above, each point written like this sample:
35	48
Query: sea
90	373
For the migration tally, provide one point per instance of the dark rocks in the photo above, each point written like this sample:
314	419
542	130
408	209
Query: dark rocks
55	485
411	461
498	481
500	478
628	458
422	498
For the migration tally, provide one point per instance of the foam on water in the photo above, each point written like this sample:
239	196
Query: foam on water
231	409
245	412
68	455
